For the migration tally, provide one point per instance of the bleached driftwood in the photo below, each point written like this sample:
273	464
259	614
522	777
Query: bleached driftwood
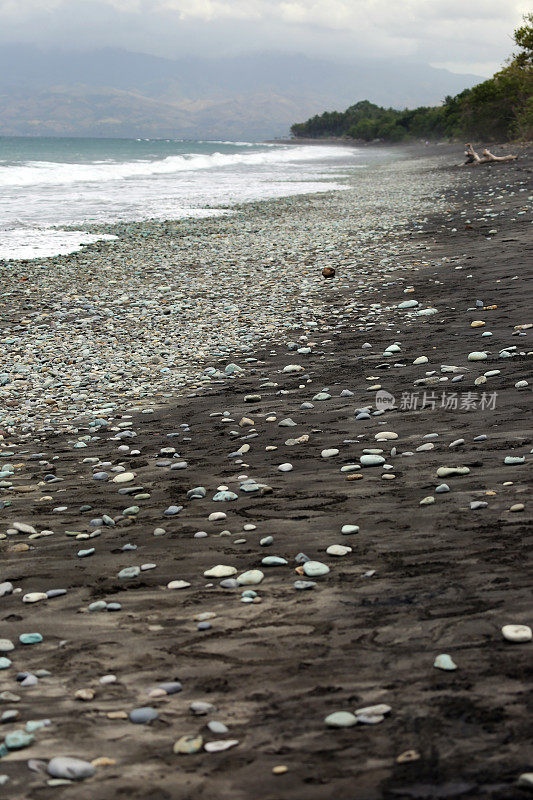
486	157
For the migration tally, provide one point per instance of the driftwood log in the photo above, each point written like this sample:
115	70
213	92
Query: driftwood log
486	157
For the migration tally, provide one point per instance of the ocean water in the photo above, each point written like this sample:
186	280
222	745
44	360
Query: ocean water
48	184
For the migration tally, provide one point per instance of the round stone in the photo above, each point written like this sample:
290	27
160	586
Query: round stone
143	716
72	769
225	497
171	687
124	477
178	585
171	511
338	550
304	585
220	571
285	467
250	578
517	633
6	645
217	727
274	561
128	573
349	529
341	719
329	453
313	569
5	663
16	740
98	605
408	304
372	461
477	355
30	638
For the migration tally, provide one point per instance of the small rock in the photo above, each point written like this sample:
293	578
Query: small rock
517	633
445	662
72	769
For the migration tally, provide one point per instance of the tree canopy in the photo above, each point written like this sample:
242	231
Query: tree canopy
499	108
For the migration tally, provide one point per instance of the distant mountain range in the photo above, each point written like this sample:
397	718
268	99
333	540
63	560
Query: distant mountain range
113	92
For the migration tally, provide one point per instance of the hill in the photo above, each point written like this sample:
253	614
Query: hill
112	92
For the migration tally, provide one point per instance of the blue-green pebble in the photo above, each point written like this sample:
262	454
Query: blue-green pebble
18	739
30	638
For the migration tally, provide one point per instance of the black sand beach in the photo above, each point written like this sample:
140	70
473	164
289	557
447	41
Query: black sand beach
420	580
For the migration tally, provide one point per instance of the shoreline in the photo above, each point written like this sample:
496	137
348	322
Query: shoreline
416	579
290	279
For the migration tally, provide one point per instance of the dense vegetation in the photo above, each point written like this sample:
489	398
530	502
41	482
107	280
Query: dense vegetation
498	109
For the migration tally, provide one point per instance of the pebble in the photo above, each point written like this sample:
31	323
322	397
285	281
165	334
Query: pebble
329	453
178	585
407	756
338	550
72	769
217	727
187	745
445	662
220	745
30	638
143	716
341	719
128	573
349	529
517	633
220	571
17	740
124	477
200	709
372	461
314	569
304	585
525	781
448	472
250	578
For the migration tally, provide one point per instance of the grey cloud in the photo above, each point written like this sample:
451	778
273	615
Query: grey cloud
436	31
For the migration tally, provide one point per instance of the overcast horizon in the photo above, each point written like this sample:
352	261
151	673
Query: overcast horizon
474	38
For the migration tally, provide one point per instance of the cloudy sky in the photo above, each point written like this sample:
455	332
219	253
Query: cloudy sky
472	36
